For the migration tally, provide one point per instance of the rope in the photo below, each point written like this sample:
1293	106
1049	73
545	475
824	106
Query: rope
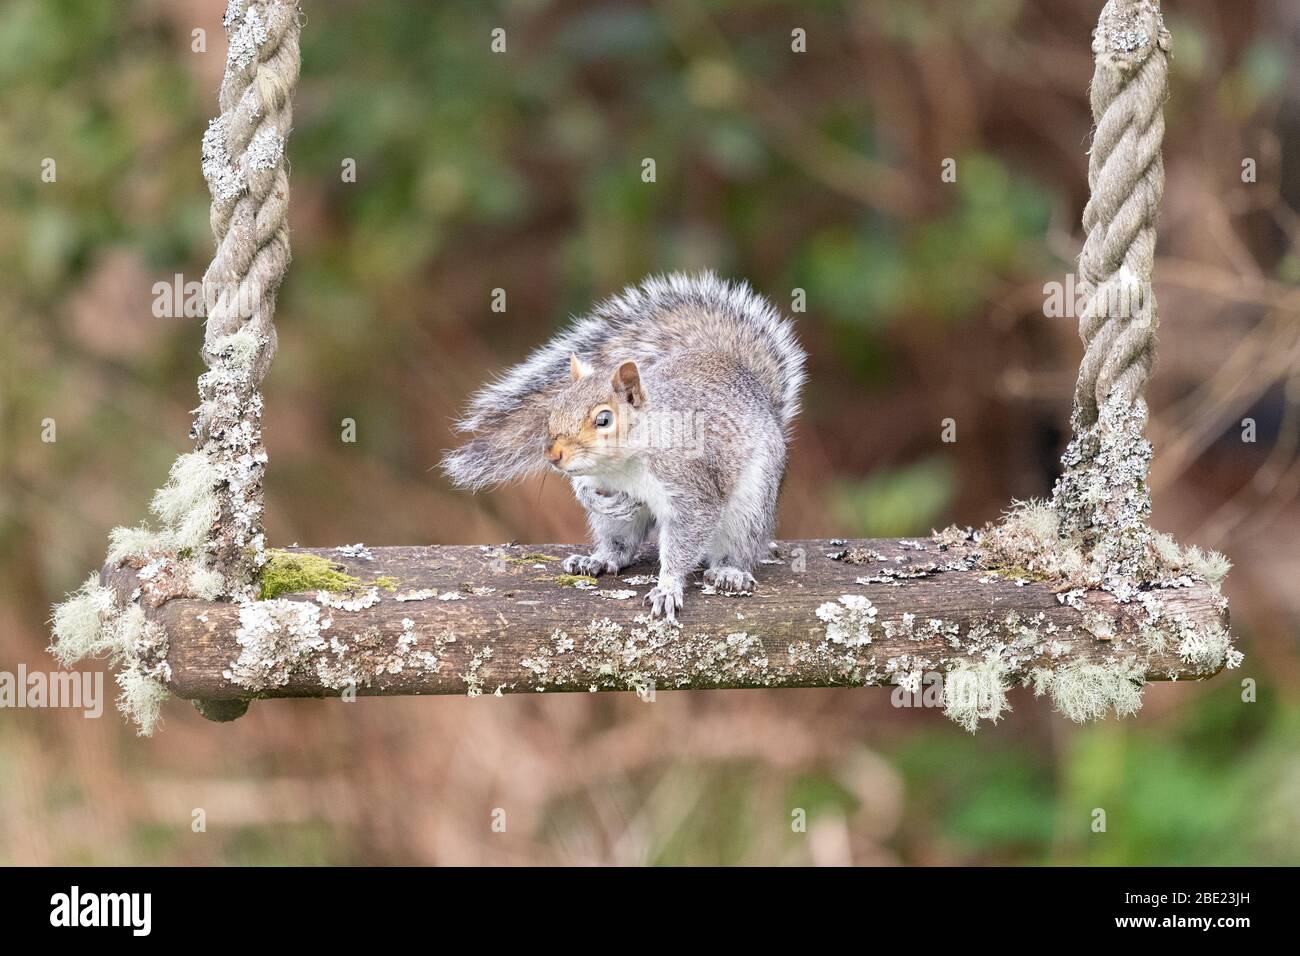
1127	178
246	171
1102	494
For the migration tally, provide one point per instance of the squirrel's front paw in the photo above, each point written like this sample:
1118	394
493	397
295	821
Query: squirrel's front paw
729	580
665	600
593	565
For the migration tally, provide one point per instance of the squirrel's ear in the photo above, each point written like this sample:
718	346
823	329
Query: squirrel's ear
577	368
627	384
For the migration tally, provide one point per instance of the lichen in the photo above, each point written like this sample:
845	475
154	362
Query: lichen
1085	691
78	623
141	700
187	504
849	622
645	655
975	690
126	542
1028	542
274	637
472	675
1207	649
245	37
185	508
1211	565
1033	541
354	602
240	348
358	550
206	583
575	580
92	623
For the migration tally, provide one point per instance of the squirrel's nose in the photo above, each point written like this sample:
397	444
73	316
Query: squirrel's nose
554	453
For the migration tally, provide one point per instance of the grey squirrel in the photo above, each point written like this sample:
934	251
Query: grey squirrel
669	408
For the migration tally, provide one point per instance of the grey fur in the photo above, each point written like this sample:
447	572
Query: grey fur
699	461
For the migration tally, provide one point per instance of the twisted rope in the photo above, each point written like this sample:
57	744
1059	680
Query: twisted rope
1103	495
245	167
1127	178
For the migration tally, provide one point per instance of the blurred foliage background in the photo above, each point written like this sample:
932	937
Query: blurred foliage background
818	171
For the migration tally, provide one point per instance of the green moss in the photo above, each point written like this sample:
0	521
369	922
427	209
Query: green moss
1016	572
386	582
286	573
532	558
573	580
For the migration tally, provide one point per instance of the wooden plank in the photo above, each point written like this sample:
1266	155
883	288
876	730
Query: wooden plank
482	620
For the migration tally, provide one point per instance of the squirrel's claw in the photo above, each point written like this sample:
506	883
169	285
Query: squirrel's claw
593	565
665	600
729	580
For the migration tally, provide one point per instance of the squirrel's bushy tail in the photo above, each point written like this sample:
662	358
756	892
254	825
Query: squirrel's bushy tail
644	323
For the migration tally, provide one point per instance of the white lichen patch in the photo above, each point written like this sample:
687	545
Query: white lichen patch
247	33
908	680
357	550
472	675
895	576
540	666
367	598
265	150
904	627
283	640
239	348
422	594
274	637
850	621
358	660
648	653
219	170
840	662
738	656
617	594
1100	626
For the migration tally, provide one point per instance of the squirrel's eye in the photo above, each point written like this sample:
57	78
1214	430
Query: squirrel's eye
604	418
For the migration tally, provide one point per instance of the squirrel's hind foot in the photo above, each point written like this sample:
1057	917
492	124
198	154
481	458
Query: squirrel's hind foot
729	580
593	565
